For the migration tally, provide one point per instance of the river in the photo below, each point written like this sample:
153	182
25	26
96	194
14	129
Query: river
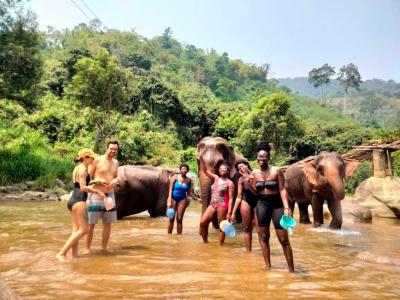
362	261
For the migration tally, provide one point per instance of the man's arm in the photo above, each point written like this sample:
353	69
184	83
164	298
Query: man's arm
82	174
114	182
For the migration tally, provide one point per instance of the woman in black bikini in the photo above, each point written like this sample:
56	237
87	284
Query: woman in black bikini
269	185
77	203
248	205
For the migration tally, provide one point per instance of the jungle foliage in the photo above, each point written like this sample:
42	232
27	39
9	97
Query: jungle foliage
157	96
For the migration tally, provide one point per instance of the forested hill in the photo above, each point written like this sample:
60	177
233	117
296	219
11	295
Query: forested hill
375	104
62	90
301	85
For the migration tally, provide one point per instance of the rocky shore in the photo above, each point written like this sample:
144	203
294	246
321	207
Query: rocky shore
28	191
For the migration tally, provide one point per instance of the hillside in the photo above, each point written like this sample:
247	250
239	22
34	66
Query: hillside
375	104
301	85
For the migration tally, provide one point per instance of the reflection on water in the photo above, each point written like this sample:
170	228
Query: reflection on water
362	261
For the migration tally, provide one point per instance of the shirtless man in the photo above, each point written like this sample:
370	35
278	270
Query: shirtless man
103	173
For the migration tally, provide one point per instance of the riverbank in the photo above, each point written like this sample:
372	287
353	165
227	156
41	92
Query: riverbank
29	192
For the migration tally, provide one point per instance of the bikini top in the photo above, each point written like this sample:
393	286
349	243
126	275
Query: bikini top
268	184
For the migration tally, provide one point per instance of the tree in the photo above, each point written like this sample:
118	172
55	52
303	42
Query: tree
152	95
321	77
166	38
73	56
202	112
20	61
349	77
270	119
102	84
266	69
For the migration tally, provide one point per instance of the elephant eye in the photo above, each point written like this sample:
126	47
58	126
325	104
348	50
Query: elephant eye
320	170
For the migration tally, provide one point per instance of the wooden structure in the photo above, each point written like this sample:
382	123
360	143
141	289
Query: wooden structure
379	152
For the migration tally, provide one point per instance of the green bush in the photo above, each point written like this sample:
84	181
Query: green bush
189	157
22	165
362	173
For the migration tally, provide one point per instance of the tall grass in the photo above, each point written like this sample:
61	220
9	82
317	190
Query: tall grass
23	165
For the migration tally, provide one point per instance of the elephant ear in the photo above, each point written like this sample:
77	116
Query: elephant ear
351	166
310	172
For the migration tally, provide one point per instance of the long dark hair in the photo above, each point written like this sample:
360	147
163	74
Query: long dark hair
242	161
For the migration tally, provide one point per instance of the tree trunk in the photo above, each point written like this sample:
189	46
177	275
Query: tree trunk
345	102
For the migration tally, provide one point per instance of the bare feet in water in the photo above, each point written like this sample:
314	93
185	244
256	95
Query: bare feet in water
61	258
85	251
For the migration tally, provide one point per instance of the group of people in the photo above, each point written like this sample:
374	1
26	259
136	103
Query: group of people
261	198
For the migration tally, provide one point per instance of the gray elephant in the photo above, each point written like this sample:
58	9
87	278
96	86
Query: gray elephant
316	179
142	188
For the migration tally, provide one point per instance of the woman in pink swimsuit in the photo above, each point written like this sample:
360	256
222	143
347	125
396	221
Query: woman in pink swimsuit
221	200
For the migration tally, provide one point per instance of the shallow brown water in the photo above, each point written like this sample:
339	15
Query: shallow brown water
361	261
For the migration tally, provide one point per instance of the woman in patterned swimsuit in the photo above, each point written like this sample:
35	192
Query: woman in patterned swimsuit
221	200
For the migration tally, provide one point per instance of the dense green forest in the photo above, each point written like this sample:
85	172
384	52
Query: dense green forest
61	90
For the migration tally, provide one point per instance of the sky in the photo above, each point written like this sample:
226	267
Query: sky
293	36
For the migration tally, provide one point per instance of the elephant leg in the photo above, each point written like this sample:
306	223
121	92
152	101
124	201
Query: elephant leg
317	208
304	216
153	213
335	208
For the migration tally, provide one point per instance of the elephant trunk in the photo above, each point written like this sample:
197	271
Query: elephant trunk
337	188
205	188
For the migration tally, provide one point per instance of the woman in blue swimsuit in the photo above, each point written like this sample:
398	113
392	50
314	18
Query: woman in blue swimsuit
180	186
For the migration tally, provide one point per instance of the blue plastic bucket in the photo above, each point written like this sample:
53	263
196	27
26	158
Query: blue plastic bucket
288	223
170	212
230	230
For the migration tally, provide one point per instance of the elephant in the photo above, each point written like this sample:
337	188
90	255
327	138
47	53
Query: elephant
142	188
315	179
213	150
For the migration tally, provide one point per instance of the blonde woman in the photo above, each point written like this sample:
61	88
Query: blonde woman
77	203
